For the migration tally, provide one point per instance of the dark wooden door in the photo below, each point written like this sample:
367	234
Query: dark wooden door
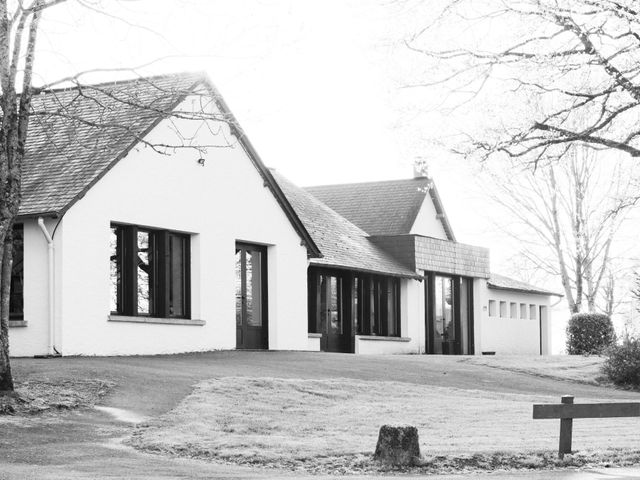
251	297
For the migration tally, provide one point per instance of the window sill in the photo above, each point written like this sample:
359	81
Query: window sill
383	339
17	323
163	321
315	335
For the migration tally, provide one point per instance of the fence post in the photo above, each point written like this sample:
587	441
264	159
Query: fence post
566	430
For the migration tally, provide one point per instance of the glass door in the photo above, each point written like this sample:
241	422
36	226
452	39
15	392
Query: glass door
331	317
448	315
251	297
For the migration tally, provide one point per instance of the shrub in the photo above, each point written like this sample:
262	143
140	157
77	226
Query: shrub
589	333
622	363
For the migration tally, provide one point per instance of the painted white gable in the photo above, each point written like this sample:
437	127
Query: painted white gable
218	203
427	222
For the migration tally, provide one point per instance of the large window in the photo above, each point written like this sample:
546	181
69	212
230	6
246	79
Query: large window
149	272
377	305
344	304
16	298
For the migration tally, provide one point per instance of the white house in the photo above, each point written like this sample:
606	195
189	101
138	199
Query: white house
126	246
449	310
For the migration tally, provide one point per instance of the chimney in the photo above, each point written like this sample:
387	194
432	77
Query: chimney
420	168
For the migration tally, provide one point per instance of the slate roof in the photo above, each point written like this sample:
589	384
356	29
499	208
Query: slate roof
343	244
85	131
500	282
76	135
382	208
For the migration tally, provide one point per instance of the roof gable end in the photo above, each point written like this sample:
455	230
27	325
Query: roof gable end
77	135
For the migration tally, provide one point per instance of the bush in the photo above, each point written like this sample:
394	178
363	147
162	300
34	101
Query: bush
622	363
589	334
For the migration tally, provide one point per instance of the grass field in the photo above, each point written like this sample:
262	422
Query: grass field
333	424
575	368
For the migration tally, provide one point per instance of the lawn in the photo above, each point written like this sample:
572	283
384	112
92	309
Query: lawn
331	425
575	368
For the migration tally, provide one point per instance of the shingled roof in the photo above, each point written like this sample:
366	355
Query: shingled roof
76	135
383	208
343	244
500	282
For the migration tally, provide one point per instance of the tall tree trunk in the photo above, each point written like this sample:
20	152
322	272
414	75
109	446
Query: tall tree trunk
6	378
557	244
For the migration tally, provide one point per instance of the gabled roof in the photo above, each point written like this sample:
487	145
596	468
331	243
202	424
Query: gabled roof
76	135
383	208
343	244
500	282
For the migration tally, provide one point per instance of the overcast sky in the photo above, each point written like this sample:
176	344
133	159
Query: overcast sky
317	85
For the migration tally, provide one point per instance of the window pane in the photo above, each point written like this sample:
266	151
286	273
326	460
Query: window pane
523	310
392	321
375	307
324	305
444	329
448	309
356	306
16	298
145	273
465	288
177	275
335	320
254	295
115	273
239	288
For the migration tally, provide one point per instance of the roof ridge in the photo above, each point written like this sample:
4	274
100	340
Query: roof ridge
371	182
199	74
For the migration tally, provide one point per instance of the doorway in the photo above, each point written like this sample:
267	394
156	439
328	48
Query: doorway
448	315
251	297
330	297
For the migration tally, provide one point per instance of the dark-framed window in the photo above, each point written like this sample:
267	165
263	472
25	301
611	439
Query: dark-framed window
377	305
16	297
149	272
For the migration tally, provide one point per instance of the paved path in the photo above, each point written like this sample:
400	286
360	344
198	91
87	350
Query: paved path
87	444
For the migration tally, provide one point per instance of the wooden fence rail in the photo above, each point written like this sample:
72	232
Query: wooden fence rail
566	411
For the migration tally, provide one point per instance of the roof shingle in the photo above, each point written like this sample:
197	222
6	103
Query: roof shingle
77	134
382	208
343	244
500	282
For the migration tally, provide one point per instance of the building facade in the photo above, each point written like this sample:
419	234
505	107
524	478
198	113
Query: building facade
123	247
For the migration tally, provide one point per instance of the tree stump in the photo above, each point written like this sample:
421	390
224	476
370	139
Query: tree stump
398	445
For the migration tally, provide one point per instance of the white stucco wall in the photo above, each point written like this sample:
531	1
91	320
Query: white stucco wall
426	222
517	336
219	203
479	313
33	339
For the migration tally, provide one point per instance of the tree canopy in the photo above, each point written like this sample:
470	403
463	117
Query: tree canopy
569	67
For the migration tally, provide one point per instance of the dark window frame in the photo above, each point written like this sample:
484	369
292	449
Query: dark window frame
16	296
362	296
372	315
127	260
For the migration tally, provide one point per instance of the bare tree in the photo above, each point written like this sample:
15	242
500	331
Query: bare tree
568	214
570	68
15	27
55	114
